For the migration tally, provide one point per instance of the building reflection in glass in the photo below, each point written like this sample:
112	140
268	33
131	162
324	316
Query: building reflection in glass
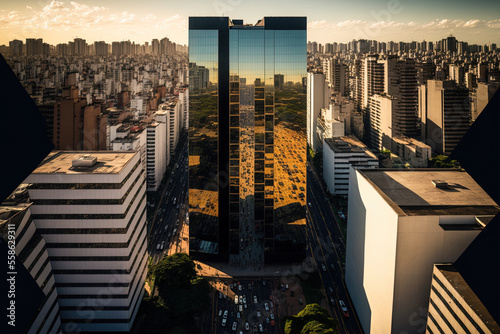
247	139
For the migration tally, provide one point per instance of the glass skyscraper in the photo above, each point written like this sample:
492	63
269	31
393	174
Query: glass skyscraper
247	139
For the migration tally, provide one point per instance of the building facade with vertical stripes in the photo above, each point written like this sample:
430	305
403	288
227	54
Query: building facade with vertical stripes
90	209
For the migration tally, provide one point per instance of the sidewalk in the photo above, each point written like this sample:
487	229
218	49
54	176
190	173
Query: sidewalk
224	270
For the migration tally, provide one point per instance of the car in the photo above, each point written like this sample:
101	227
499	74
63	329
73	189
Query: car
244	299
162	245
241	299
271	305
158	247
220	313
264	283
332	266
220	295
267	320
245	305
240	308
323	267
247	326
332	300
310	204
255	299
272	323
261	329
301	302
238	315
258	314
271	315
236	299
231	285
225	314
224	322
344	309
330	289
234	326
239	287
266	306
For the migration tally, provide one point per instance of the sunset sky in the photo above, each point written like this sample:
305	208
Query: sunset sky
328	20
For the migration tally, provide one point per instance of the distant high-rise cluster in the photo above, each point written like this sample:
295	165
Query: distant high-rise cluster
80	47
424	93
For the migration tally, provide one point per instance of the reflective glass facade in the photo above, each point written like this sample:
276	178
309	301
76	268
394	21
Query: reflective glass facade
247	139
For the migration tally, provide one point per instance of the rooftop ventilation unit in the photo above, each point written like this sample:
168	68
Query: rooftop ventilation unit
85	160
440	184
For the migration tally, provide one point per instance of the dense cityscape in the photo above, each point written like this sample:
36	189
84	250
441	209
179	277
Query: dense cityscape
254	182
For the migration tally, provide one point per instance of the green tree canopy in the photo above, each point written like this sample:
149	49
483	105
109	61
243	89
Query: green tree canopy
174	272
313	319
443	161
181	292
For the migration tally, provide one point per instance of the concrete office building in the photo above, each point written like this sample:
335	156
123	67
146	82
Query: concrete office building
401	83
248	126
90	208
453	305
382	109
339	154
318	97
156	151
446	115
336	73
184	106
372	75
484	93
412	151
171	113
400	223
31	251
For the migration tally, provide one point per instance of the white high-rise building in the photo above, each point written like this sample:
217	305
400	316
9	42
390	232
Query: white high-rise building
339	154
184	106
173	121
90	208
31	251
156	157
381	118
318	97
400	223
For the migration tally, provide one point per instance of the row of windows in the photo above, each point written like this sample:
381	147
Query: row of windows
476	326
101	258
90	216
30	246
85	185
54	303
94	244
435	324
92	201
443	317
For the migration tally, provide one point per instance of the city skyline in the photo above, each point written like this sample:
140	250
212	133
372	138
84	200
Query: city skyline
398	20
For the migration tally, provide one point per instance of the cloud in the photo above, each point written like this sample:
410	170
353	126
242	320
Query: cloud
81	19
438	28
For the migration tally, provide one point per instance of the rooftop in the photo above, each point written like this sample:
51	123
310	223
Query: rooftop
413	192
348	144
108	162
410	141
457	281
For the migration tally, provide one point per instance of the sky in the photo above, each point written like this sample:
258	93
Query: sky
475	22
